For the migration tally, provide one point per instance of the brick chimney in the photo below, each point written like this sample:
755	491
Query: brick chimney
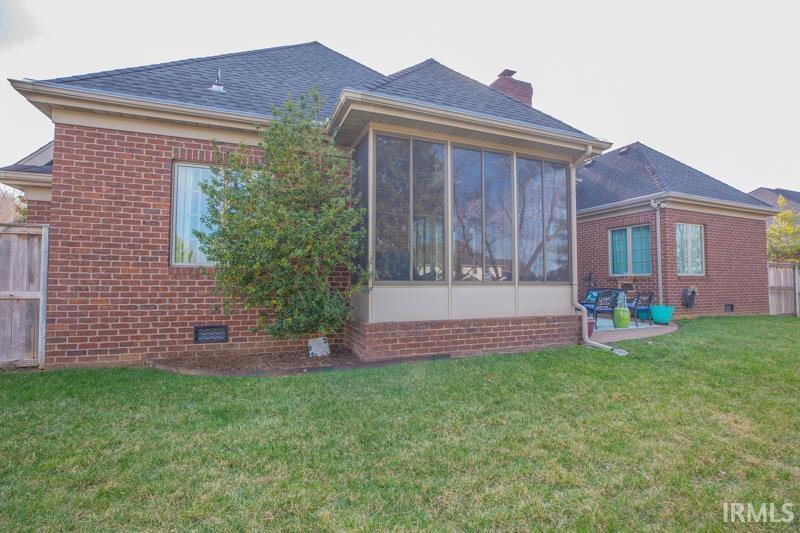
519	90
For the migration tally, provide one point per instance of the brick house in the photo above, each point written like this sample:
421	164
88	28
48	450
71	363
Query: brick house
469	189
646	218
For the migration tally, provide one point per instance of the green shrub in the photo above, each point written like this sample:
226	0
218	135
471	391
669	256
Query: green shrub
283	222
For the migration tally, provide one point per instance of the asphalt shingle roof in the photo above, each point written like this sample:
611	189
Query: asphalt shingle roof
431	82
258	80
32	169
637	170
792	196
254	81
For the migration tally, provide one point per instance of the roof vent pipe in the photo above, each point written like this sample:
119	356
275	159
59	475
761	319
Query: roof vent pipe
217	85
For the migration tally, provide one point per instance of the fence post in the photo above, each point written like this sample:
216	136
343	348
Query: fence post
796	290
44	260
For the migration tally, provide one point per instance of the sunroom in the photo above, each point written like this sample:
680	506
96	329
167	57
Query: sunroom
467	218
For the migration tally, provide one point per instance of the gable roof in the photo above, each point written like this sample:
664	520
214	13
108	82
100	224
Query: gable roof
770	196
637	170
38	162
256	81
431	82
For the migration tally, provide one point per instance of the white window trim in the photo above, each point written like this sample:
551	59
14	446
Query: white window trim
629	238
174	213
690	249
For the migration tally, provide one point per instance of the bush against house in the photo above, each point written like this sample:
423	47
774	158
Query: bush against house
783	235
284	224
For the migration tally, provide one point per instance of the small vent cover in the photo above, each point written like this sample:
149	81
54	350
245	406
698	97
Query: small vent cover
210	334
729	308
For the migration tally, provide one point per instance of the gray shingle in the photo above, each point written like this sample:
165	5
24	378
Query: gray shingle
254	81
258	80
792	196
433	83
31	169
637	170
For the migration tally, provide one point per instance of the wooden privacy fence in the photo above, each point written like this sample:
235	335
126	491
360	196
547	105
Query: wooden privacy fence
783	289
23	294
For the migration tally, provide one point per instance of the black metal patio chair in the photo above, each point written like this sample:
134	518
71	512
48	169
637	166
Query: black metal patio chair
641	302
605	302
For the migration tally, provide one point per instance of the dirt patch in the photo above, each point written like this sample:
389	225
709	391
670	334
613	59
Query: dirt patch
255	364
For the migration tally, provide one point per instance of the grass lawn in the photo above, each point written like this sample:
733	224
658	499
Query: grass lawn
569	437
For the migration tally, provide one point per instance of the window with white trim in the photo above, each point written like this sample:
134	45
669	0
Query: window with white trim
629	251
189	205
690	249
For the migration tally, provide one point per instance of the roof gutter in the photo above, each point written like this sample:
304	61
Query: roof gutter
46	96
15	178
351	95
689	198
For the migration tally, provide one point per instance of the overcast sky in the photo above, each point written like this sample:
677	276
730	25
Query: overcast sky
713	84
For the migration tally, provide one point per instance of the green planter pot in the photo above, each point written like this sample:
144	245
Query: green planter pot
622	317
662	314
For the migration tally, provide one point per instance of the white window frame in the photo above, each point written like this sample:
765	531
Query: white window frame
629	239
690	248
174	214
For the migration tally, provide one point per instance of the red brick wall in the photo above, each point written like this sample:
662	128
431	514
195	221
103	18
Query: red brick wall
735	260
371	342
113	297
38	211
593	252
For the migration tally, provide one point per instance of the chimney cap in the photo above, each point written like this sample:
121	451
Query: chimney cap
507	73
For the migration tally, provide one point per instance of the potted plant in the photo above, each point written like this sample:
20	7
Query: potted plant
662	314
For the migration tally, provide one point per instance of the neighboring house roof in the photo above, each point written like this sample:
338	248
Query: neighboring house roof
637	170
433	83
771	196
256	81
34	169
37	162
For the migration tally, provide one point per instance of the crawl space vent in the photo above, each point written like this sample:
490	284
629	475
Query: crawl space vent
204	334
729	308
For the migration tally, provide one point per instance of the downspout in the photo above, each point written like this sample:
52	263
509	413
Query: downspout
655	204
574	249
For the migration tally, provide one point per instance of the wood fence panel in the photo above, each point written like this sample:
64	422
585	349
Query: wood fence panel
783	289
23	294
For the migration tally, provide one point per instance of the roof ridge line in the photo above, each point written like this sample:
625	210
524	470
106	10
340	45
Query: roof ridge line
401	73
651	170
346	57
155	66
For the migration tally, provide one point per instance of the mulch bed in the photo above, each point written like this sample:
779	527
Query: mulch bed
273	364
256	364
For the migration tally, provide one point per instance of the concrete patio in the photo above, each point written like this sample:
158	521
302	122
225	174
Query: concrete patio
605	331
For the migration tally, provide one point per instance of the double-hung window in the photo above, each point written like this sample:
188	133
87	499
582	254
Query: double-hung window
689	247
189	205
629	251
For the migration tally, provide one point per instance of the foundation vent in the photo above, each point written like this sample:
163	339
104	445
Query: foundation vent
729	308
203	334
